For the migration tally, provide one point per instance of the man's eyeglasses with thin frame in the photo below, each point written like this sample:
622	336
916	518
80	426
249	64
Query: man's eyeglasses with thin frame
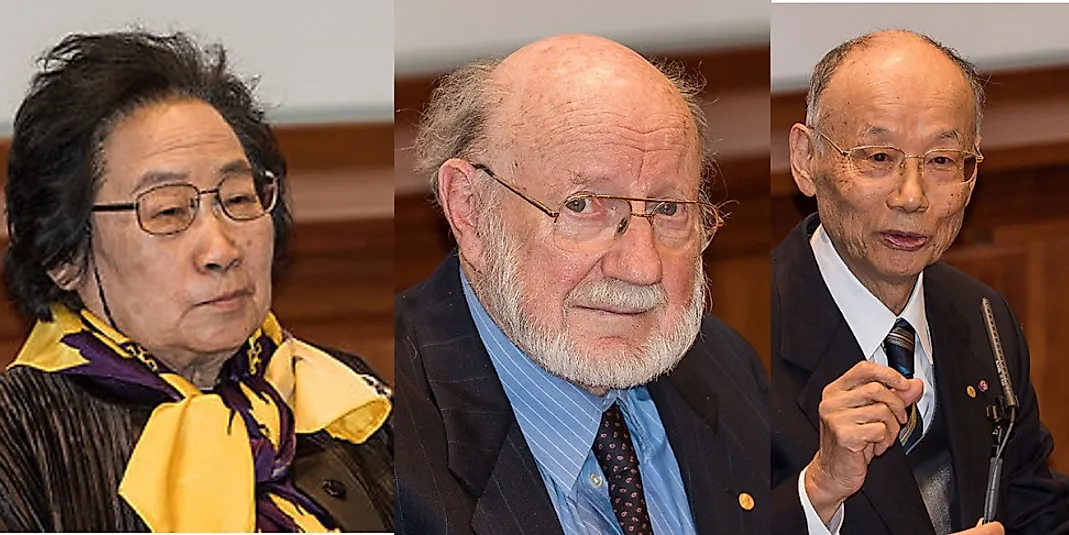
590	222
944	166
169	209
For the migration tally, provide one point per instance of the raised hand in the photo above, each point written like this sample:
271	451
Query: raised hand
861	413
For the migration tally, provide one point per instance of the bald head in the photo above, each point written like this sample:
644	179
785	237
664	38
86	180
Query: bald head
506	109
575	57
903	57
556	91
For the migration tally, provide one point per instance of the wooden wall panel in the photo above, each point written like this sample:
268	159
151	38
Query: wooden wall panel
338	290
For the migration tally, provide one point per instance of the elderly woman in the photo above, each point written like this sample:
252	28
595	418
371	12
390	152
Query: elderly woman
157	391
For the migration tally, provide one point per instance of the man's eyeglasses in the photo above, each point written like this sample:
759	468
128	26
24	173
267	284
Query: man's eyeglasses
588	222
944	166
172	208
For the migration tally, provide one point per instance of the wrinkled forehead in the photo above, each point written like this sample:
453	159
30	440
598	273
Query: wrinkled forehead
888	96
600	126
171	141
608	147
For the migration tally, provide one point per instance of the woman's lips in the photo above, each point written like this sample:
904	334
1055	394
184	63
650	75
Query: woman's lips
229	301
903	241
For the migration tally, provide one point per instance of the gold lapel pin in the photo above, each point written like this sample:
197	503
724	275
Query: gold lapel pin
746	501
970	391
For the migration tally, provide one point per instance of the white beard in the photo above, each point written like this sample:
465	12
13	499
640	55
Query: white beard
502	291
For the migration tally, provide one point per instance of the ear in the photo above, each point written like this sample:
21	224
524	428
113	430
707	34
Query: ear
458	194
803	156
976	172
68	276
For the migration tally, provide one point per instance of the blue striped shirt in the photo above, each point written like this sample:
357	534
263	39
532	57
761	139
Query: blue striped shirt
559	421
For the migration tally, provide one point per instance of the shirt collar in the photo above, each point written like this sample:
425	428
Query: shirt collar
558	419
869	319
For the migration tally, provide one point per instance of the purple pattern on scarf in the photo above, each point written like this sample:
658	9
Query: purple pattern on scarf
131	379
123	374
272	467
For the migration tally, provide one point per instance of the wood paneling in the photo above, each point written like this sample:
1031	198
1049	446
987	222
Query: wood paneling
724	70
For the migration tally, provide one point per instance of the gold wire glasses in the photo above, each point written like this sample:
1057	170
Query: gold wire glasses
589	222
944	166
171	208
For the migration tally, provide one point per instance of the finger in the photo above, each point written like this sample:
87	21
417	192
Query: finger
856	437
867	372
911	394
870	394
993	528
877	413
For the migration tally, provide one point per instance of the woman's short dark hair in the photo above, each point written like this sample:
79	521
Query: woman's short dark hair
85	86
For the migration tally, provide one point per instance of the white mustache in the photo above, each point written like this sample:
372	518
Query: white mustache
618	294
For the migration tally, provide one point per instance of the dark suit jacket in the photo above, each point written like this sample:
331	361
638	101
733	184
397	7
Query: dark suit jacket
812	345
464	467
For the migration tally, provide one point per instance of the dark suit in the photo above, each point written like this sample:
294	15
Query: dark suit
812	345
463	465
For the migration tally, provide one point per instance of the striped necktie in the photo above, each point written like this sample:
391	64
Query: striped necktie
899	346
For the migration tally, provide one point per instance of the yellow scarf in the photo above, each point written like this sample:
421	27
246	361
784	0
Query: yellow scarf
192	468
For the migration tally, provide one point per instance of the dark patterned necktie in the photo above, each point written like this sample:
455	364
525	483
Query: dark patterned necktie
618	460
899	346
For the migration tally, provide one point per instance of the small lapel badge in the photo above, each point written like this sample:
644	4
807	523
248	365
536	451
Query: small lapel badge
983	385
746	501
970	391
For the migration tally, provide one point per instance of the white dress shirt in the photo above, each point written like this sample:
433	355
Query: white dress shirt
870	321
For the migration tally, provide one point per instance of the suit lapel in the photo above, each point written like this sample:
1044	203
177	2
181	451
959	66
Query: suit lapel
688	411
515	499
486	450
816	337
889	485
958	365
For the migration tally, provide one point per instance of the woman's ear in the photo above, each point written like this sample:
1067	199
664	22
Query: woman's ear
68	276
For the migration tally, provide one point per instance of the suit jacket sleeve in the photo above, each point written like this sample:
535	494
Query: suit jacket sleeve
788	518
1038	498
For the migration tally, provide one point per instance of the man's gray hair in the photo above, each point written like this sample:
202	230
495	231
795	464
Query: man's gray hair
455	123
830	63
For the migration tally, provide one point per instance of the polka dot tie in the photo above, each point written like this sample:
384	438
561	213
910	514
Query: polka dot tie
616	455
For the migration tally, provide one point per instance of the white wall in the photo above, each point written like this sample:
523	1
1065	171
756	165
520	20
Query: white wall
319	60
994	36
437	35
333	60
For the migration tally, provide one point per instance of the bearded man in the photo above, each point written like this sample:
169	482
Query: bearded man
557	374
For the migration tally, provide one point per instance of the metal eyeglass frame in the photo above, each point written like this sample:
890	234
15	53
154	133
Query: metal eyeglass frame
133	206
